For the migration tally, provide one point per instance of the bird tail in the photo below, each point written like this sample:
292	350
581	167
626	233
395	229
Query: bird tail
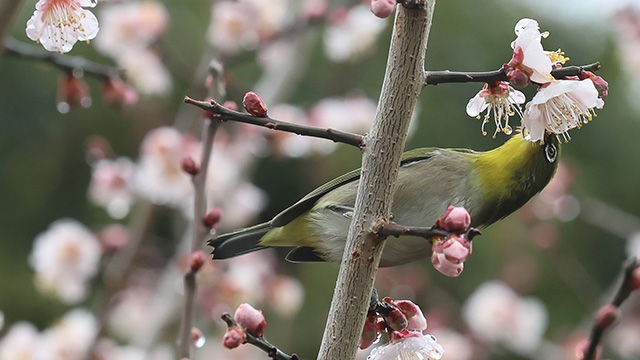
239	242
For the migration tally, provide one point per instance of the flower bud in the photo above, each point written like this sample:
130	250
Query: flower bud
369	332
416	320
234	337
601	84
114	91
454	219
197	260
396	320
212	218
458	249
442	264
518	78
383	8
607	315
251	319
254	105
189	166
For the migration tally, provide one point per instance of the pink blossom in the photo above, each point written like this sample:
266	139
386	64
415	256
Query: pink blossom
64	258
559	106
496	314
442	264
417	321
114	91
498	99
286	295
70	338
454	219
146	71
20	342
529	56
353	36
112	186
251	319
59	24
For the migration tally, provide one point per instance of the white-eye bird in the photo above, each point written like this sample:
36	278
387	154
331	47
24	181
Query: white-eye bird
490	185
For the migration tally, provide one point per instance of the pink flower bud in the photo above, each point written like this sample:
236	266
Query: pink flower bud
383	8
251	319
518	78
189	166
197	260
414	315
457	252
369	332
454	219
607	315
73	92
212	218
396	320
635	279
601	84
442	264
234	337
114	91
254	105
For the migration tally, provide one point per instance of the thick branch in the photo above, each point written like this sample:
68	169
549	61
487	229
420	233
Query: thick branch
446	76
384	229
273	124
260	342
403	81
621	295
67	63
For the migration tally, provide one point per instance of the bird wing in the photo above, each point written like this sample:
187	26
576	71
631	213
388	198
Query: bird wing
307	202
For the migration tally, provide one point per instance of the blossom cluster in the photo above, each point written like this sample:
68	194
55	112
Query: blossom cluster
558	106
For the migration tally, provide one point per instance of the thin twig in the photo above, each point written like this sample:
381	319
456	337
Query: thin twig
66	63
260	342
621	295
273	124
199	230
446	76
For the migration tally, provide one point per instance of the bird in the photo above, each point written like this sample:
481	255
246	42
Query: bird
490	185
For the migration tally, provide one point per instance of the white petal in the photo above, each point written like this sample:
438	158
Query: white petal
516	97
533	120
476	105
524	24
554	89
585	94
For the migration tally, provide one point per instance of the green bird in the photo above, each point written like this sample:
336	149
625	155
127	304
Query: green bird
490	185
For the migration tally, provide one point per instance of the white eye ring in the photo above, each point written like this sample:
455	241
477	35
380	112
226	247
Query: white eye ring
550	152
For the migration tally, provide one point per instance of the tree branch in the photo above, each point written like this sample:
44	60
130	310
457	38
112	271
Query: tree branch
403	81
260	342
621	295
446	76
66	63
384	229
273	124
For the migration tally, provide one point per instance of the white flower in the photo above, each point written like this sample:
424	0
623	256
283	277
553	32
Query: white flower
64	258
20	342
411	348
58	24
132	316
498	99
533	57
354	35
496	314
146	71
111	186
129	26
559	106
70	338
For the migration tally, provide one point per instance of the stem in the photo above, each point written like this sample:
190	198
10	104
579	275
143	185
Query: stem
199	231
446	76
404	78
273	124
597	331
66	63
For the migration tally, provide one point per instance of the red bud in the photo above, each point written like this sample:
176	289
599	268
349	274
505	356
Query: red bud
234	337
607	315
189	166
197	260
212	218
254	105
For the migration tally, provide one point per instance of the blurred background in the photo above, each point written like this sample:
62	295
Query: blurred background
110	172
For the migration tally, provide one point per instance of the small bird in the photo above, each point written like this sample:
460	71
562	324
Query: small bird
490	185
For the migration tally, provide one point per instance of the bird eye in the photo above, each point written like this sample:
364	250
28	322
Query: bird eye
550	152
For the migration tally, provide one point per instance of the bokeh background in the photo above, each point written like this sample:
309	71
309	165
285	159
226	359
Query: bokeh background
564	249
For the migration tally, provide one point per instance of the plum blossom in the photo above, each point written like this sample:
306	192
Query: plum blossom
20	342
112	186
70	338
528	54
351	36
146	71
560	106
422	347
496	314
59	24
498	99
251	319
64	258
